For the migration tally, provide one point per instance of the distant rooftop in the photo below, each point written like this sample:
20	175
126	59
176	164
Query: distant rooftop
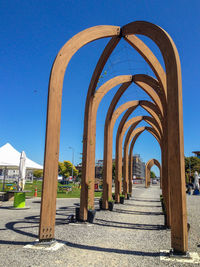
197	153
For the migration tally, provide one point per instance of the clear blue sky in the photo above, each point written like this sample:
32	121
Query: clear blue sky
32	33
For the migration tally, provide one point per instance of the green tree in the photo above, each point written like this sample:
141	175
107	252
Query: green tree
113	170
65	169
192	164
152	174
38	173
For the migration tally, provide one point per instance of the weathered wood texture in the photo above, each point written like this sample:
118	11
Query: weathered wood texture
148	167
95	101
108	132
88	160
171	120
179	238
127	165
49	189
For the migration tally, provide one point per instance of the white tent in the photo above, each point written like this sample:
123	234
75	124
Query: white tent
10	158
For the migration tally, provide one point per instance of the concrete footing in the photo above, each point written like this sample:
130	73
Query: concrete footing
189	257
50	245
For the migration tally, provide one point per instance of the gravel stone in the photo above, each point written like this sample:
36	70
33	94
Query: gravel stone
131	235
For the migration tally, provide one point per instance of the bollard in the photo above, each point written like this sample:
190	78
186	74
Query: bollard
35	193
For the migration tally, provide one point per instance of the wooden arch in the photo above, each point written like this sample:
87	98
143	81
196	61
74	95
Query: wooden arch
148	167
165	190
179	238
88	198
131	152
174	124
108	136
129	136
88	162
51	156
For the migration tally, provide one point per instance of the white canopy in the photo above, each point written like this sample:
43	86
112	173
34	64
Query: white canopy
10	157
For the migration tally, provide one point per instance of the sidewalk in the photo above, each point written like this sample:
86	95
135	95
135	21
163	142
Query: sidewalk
131	235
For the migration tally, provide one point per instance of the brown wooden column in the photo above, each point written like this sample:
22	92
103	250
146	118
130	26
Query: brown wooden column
108	148
179	237
91	124
88	161
49	188
108	140
118	157
131	160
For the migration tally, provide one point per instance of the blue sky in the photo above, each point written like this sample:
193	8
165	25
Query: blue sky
32	33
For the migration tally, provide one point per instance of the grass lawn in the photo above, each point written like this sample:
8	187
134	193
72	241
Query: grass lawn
75	193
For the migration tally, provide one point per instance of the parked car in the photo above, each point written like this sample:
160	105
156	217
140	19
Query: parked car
154	181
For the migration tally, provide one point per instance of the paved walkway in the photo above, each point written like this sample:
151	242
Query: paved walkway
131	235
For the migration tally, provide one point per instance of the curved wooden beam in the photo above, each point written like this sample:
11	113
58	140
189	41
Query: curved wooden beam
140	79
88	159
150	91
155	95
179	236
152	109
131	152
88	164
108	139
148	167
129	136
118	156
150	58
49	191
118	153
154	122
88	199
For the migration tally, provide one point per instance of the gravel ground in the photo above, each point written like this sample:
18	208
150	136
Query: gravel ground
131	235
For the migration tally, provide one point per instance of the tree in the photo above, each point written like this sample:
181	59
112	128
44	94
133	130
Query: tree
152	174
113	170
192	164
65	169
38	173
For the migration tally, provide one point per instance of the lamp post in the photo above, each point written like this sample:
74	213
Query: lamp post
72	161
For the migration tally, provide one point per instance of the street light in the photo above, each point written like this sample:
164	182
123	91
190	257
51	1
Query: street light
72	161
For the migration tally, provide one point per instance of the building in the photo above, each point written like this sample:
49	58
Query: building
197	153
138	167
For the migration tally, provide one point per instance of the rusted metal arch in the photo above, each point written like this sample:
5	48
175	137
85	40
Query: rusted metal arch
129	136
179	237
148	167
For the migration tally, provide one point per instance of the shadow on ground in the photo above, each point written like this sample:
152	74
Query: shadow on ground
12	226
129	225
